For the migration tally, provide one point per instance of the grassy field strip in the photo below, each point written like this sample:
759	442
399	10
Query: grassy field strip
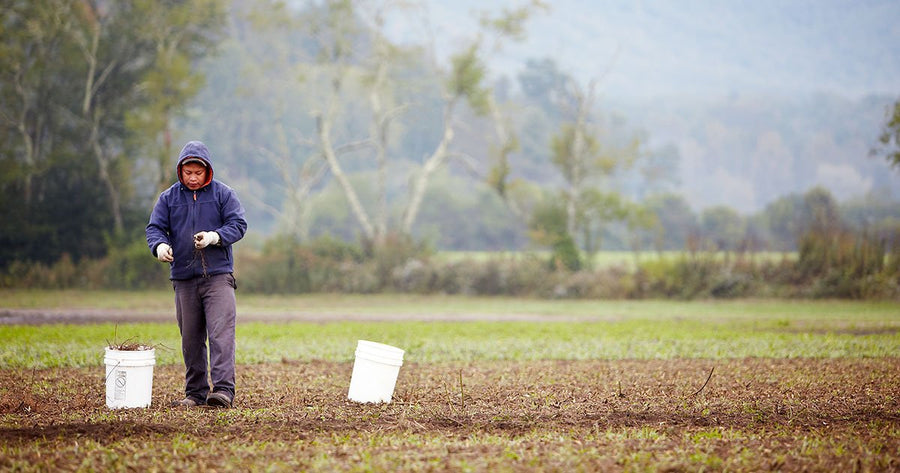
63	345
610	329
356	304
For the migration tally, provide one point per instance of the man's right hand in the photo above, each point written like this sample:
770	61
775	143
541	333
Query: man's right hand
164	253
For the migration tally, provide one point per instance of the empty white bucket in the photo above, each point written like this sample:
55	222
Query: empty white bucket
375	371
129	377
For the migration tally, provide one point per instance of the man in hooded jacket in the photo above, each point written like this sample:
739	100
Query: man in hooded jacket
192	227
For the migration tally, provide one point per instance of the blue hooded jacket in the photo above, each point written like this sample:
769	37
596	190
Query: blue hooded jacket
179	213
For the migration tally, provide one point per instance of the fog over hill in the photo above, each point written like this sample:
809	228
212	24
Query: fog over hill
650	48
759	98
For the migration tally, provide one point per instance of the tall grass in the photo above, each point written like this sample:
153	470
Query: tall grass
607	259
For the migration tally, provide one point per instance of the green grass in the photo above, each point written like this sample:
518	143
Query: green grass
836	311
77	299
574	330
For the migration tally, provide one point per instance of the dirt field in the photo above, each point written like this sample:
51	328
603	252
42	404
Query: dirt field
751	415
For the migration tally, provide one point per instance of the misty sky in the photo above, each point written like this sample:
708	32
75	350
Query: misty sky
649	48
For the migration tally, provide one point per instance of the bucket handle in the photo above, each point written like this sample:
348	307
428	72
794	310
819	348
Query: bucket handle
106	378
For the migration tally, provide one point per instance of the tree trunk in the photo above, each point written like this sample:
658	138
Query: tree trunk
105	178
506	140
579	157
432	164
31	148
379	133
92	116
331	157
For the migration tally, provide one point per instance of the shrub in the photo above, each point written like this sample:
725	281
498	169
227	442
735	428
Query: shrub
565	255
414	276
281	267
687	277
128	267
325	265
611	283
843	264
394	252
829	265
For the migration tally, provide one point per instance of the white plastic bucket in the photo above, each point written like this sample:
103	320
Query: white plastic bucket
375	371
129	377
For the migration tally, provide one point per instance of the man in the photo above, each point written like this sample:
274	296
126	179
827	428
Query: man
192	227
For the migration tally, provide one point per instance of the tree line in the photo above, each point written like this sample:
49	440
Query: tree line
89	92
328	127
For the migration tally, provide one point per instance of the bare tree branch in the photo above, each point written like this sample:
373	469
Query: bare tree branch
432	164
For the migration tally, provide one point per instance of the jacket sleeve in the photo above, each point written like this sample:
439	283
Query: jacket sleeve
158	228
234	225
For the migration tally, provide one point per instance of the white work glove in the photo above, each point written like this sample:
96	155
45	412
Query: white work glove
204	239
164	253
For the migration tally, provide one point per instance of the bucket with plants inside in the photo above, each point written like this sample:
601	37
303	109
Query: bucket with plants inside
129	374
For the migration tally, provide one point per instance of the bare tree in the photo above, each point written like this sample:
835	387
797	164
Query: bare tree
142	68
467	81
299	176
335	34
356	64
439	155
25	76
87	36
382	103
574	149
311	79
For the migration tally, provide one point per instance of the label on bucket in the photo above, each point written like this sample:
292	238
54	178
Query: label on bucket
119	391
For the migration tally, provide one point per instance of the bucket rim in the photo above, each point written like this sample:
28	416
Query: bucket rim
379	346
143	350
374	357
127	357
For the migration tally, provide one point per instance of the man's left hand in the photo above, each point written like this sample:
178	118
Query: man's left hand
204	239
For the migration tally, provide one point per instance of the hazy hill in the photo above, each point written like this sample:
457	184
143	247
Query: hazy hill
759	98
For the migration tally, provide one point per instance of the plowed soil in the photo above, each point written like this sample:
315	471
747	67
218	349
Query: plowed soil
674	415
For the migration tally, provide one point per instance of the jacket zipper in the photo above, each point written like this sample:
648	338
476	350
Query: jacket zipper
194	228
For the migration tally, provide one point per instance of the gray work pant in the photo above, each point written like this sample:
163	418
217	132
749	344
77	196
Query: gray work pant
205	308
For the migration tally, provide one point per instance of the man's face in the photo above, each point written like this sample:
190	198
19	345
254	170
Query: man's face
193	175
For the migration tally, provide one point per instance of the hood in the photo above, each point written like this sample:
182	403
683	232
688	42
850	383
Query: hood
195	150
